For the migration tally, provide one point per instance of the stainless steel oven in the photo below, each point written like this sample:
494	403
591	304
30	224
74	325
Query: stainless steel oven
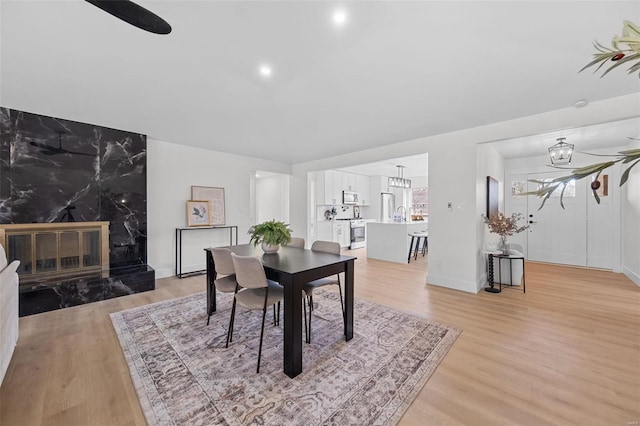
358	234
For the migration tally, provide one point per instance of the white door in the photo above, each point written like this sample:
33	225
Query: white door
601	222
558	235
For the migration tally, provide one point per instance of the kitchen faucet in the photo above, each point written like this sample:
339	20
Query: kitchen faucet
404	212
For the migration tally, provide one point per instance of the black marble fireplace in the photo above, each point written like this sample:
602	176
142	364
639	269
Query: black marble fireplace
55	170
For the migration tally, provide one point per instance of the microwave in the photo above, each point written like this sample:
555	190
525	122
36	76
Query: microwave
350	197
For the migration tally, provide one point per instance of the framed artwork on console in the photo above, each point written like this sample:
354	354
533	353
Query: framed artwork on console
215	196
198	213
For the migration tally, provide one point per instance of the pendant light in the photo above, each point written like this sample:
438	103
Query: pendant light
400	181
561	152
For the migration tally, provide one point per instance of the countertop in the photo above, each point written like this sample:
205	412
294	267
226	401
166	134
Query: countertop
409	222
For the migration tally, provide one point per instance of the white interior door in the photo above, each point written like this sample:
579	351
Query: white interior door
558	235
601	222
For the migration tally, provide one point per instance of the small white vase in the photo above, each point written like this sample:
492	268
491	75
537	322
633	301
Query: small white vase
268	248
504	245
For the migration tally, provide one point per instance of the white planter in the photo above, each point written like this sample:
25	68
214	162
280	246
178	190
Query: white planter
268	248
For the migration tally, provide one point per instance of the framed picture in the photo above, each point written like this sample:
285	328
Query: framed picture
216	198
198	213
493	196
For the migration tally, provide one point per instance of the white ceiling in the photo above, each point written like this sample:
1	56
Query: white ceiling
414	165
399	70
584	138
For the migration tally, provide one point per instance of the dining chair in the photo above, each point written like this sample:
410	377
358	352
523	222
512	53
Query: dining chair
225	281
296	242
257	293
326	247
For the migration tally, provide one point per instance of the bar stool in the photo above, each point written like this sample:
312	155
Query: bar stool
419	236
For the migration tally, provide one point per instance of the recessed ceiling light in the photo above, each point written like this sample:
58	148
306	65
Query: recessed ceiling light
340	17
265	70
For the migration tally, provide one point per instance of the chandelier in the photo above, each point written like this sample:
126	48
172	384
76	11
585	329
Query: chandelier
561	152
400	181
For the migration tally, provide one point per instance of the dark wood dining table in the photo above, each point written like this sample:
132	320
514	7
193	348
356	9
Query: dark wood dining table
292	267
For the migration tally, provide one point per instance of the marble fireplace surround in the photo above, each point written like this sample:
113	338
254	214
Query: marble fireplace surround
55	170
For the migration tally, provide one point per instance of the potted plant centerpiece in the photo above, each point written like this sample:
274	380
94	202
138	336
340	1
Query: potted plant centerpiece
504	226
271	235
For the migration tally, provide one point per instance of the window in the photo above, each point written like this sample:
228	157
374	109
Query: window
419	201
570	190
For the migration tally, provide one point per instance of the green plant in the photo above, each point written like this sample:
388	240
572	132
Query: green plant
272	232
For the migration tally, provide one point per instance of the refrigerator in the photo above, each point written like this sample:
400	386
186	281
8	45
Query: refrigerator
387	206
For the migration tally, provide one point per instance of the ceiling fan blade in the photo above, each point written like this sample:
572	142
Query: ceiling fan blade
134	14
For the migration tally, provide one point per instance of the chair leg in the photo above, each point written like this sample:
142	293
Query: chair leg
212	288
310	311
415	257
410	248
344	321
264	314
233	315
306	327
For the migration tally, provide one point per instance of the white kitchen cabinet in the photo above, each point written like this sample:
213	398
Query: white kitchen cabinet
362	188
350	182
325	189
342	233
339	181
324	229
331	183
337	231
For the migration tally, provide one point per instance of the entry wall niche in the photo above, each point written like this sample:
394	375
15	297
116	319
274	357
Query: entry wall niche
54	170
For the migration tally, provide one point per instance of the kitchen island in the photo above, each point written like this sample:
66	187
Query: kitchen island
390	240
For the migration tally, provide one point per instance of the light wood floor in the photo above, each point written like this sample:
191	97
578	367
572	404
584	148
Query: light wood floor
566	352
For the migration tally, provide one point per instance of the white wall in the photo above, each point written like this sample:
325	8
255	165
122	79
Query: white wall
489	162
272	198
453	236
171	170
631	223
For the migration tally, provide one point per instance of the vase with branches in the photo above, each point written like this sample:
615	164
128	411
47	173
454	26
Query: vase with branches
504	226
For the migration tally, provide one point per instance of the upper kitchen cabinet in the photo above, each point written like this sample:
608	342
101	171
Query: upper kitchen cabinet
324	188
363	188
331	183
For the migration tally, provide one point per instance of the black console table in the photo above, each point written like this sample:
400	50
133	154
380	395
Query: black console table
490	277
179	272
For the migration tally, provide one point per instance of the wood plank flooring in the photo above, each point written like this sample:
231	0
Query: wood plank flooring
566	352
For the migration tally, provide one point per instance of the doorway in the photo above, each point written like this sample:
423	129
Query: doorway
583	233
270	197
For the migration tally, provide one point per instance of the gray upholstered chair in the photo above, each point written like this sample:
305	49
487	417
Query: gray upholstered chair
326	247
225	281
257	293
296	242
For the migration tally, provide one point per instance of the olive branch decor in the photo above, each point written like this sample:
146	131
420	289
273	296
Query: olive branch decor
618	54
625	157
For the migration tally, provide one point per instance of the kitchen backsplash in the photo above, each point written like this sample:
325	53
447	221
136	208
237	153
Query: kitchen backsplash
341	212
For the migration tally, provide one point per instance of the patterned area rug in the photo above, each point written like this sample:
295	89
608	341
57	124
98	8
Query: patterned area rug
184	375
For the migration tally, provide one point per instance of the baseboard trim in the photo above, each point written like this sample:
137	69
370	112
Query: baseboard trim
440	281
633	276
